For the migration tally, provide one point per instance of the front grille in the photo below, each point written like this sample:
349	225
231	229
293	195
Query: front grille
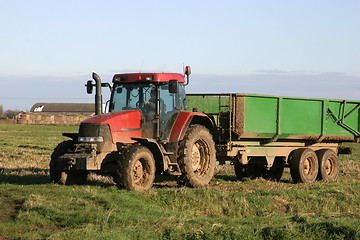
95	130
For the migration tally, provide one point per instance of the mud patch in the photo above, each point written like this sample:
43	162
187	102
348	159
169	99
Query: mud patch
282	204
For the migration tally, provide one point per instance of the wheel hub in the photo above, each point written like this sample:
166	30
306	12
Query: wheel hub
329	168
307	166
138	171
195	157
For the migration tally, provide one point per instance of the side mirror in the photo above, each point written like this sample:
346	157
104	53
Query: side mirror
173	86
89	87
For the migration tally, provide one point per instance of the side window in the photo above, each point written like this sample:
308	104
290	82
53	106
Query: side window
119	99
133	97
167	98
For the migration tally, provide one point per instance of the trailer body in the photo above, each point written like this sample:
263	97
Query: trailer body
273	118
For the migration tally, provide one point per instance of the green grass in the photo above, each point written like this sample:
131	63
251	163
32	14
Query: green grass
33	208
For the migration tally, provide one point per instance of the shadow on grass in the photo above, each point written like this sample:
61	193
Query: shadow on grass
24	176
34	147
33	176
165	181
37	176
227	178
230	178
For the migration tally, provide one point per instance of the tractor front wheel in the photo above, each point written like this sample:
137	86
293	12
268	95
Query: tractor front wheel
137	169
58	176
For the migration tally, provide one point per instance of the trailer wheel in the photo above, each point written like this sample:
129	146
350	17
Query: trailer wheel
328	165
304	165
57	176
137	169
197	157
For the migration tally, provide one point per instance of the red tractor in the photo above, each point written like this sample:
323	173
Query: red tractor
147	131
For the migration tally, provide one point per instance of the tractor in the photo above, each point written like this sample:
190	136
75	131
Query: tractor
146	131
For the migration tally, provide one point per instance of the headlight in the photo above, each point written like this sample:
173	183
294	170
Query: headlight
90	139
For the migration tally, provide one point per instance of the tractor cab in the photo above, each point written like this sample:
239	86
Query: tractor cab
158	96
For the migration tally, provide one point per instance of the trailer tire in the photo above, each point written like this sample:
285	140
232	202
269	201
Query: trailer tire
304	165
137	169
197	157
57	176
328	165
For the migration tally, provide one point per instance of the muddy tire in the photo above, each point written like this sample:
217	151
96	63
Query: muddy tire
78	177
328	165
57	176
304	165
197	157
116	171
136	169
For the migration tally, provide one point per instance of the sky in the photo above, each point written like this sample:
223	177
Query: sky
302	48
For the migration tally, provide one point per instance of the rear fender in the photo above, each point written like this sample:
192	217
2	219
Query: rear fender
184	120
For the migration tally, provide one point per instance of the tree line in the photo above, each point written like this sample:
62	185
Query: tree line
8	113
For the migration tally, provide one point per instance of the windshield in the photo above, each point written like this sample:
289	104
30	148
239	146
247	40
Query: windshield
138	96
130	96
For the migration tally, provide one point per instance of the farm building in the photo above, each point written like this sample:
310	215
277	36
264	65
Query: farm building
58	113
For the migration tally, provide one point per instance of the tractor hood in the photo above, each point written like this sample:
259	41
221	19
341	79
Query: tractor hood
123	125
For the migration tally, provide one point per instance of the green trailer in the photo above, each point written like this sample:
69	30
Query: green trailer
263	134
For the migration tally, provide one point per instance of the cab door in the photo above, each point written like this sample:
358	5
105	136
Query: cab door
170	106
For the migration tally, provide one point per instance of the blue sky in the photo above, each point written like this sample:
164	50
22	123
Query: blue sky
304	48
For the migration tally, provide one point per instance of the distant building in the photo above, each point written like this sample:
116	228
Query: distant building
64	108
58	113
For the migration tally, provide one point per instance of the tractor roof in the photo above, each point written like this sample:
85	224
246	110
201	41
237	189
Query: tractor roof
148	77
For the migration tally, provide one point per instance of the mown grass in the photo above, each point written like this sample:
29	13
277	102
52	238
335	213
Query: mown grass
33	208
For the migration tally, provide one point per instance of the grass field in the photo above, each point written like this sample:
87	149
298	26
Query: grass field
33	208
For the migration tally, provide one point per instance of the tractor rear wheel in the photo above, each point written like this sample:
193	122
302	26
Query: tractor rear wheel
304	165
197	157
136	169
328	165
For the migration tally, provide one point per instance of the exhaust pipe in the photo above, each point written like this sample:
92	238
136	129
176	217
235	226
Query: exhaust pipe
98	96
